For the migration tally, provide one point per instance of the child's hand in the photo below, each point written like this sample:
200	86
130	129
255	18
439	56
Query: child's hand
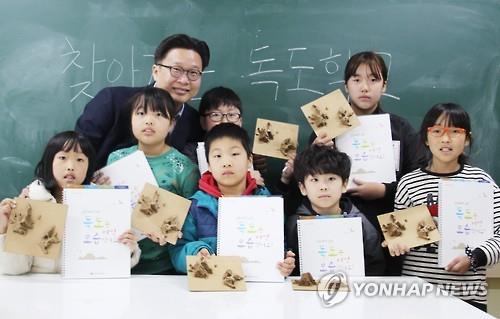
100	179
396	249
286	266
258	177
128	238
157	238
460	264
367	190
323	139
287	172
6	207
203	253
259	163
24	193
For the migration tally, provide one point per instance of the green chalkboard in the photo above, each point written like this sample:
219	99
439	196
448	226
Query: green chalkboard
276	54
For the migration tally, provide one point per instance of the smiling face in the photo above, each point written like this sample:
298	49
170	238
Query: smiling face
324	192
447	148
365	90
70	168
181	89
228	161
150	128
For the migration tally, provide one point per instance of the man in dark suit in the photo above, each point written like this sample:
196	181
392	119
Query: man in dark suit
178	64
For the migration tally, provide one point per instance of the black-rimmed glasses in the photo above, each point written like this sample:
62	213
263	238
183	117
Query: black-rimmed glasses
177	72
217	117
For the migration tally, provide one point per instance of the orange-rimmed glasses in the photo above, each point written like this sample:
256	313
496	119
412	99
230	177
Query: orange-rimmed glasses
438	131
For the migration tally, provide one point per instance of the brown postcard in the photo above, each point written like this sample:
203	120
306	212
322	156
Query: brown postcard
413	226
330	113
275	139
36	228
215	273
161	212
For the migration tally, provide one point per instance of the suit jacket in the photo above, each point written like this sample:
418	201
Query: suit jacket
105	121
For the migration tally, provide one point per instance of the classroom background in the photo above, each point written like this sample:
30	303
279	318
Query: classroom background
277	55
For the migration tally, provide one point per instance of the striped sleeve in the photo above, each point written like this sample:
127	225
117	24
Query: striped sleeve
413	189
491	247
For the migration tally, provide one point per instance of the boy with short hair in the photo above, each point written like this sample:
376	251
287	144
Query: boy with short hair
217	105
222	105
227	148
322	174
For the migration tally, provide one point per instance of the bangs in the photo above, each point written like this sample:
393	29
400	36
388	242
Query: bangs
446	114
218	96
325	166
375	69
149	104
72	144
372	60
323	169
454	119
64	142
321	160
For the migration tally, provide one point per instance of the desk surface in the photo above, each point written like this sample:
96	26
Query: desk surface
50	296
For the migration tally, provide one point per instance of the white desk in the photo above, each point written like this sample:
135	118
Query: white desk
49	296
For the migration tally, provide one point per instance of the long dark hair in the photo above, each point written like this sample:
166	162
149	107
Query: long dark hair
370	58
454	115
152	99
64	141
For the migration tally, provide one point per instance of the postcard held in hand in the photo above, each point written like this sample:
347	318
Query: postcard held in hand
275	139
330	114
215	273
161	212
36	228
413	227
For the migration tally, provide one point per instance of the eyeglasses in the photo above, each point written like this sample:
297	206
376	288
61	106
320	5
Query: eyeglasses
177	72
218	116
438	131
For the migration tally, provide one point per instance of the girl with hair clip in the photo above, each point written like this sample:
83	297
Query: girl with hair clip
68	160
152	118
446	131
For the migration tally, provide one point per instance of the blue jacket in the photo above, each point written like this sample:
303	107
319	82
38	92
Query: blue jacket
105	121
200	228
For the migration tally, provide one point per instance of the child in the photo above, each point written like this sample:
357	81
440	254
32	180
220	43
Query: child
223	105
365	78
152	113
228	154
322	174
68	160
446	131
217	105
